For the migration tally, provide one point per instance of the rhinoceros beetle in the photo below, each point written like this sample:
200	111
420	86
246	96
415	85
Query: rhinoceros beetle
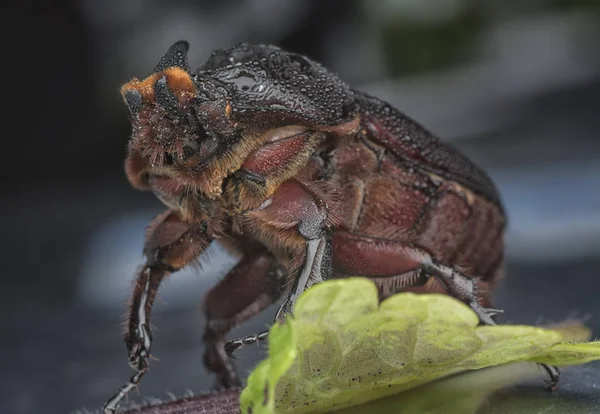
276	157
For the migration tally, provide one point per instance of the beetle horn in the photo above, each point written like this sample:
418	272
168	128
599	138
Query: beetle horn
175	56
165	97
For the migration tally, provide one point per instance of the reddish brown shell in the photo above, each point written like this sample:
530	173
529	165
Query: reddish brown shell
419	148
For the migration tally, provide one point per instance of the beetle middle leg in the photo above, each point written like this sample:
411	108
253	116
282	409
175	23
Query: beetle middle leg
251	286
297	216
317	264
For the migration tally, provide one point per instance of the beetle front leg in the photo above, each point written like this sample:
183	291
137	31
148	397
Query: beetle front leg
171	244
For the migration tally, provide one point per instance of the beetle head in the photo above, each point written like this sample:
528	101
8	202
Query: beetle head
204	124
171	113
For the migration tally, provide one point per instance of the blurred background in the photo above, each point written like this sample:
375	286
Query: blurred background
515	85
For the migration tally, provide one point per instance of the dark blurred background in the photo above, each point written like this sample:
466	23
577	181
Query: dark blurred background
514	84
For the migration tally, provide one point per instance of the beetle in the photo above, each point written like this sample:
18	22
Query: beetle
276	157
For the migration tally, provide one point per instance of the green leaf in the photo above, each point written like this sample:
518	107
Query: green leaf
260	392
459	394
342	348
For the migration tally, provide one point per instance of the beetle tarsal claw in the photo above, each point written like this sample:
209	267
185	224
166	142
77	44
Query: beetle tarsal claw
553	374
493	311
232	346
483	313
111	405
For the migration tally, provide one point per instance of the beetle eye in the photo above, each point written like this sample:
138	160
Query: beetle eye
201	131
189	151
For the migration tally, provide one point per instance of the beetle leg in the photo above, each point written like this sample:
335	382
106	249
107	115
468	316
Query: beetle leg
299	217
463	288
554	374
393	265
234	345
170	245
317	263
251	286
316	268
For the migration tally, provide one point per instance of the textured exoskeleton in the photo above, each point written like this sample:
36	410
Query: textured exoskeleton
276	157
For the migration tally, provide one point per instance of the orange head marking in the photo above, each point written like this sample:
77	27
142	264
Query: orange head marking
160	108
169	85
